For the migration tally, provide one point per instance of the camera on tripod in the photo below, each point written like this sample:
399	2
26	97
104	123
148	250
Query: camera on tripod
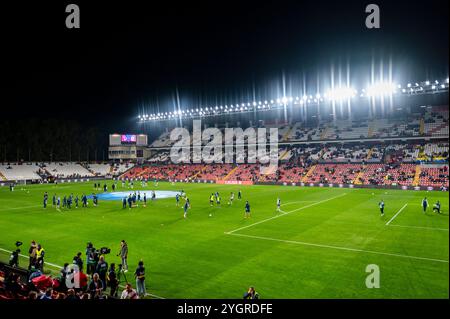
101	251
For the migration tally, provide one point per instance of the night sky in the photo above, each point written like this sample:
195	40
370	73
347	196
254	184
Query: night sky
127	55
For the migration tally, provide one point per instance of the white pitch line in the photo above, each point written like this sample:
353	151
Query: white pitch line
420	227
299	201
60	267
341	248
24	207
285	213
387	224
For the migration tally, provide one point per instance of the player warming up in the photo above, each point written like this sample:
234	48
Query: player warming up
231	198
437	207
187	205
381	205
247	210
278	204
424	205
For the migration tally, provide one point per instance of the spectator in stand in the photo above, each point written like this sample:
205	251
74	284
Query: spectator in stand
32	295
96	287
129	293
71	295
251	294
48	294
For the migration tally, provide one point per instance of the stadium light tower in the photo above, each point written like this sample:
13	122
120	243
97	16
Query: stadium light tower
381	89
341	93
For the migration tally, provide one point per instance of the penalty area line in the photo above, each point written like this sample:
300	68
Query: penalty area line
420	227
18	208
390	220
284	213
341	248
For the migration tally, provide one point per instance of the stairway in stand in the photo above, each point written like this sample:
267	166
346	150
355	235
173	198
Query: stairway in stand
417	176
230	173
357	180
310	171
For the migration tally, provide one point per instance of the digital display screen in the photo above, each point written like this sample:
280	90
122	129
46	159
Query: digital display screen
128	138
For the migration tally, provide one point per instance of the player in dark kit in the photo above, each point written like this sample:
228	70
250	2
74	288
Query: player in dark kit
177	198
381	205
45	199
186	207
424	205
247	210
84	200
239	195
437	207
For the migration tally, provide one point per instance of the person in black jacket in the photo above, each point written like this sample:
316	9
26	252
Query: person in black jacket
78	261
102	269
251	294
96	287
113	282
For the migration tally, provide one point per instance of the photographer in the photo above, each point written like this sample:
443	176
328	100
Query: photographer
91	259
112	280
123	253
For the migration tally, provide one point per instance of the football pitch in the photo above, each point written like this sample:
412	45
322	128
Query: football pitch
318	246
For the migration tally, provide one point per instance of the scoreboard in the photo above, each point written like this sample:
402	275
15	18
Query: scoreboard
128	139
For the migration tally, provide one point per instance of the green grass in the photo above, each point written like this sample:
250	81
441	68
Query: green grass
320	251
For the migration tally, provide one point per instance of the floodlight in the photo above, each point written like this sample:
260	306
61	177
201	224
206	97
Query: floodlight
381	88
341	93
427	82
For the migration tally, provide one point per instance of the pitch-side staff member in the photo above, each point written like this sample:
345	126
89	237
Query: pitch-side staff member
123	253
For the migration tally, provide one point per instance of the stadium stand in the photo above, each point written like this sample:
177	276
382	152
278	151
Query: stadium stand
19	171
103	169
66	170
